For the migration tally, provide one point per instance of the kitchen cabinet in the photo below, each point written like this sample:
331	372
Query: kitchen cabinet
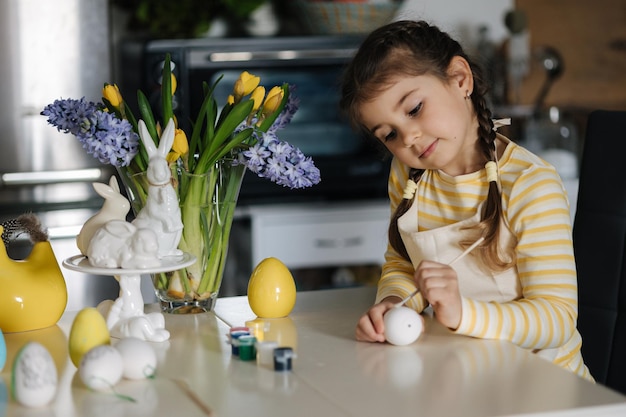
325	245
305	236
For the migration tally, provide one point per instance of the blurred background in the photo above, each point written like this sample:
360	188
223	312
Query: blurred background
549	62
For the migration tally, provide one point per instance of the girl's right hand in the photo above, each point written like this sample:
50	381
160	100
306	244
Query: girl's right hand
371	327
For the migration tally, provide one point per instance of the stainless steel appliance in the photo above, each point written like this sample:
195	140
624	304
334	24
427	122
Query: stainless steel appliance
52	50
351	167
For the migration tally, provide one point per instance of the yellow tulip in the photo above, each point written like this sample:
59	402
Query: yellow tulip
257	96
231	99
112	93
181	144
180	147
174	84
273	100
172	157
245	84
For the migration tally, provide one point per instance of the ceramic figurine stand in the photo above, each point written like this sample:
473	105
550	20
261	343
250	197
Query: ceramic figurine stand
125	316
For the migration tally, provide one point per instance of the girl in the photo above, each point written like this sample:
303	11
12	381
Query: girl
453	180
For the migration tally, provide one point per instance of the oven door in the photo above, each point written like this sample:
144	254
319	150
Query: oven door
350	167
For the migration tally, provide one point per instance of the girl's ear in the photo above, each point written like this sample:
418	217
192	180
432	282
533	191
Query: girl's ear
460	74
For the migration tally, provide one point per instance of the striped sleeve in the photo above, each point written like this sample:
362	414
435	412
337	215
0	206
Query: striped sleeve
545	316
397	273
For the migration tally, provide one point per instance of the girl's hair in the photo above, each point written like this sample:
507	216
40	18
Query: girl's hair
416	48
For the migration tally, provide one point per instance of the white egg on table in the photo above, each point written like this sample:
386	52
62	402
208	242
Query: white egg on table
403	325
138	356
34	376
101	368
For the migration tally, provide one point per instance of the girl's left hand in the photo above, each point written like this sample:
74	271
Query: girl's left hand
439	285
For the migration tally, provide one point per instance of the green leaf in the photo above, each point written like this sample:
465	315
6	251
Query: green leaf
204	121
147	116
237	114
166	91
207	158
130	116
224	131
235	142
212	110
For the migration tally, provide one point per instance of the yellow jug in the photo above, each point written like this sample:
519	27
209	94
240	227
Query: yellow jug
33	294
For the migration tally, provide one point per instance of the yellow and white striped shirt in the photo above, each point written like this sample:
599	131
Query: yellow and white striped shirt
536	209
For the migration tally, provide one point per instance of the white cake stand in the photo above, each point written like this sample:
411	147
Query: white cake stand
125	316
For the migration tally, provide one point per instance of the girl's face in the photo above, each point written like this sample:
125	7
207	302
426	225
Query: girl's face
427	123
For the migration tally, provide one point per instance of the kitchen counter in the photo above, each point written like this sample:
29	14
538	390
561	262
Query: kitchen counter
441	374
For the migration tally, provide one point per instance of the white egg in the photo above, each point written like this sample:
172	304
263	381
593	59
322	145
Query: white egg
101	368
403	325
139	357
34	376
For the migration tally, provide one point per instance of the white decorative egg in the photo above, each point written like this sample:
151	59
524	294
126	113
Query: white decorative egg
34	376
403	325
138	356
101	368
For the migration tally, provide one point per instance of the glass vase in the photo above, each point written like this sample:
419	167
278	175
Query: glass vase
207	205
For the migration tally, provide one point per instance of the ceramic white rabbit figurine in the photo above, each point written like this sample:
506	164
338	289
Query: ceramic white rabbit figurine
125	316
115	207
161	212
120	244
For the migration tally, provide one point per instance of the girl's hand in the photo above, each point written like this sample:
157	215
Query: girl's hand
439	285
371	327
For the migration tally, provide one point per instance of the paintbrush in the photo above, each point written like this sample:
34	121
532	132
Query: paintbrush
465	252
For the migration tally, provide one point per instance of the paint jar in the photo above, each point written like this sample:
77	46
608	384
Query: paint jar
282	358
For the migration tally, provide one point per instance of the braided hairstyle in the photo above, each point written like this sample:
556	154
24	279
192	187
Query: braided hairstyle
415	48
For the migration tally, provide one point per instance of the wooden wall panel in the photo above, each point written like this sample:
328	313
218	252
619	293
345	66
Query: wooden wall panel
591	36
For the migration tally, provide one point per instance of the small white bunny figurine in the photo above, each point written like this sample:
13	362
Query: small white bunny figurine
120	244
161	212
115	207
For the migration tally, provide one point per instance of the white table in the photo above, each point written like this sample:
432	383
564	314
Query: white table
333	375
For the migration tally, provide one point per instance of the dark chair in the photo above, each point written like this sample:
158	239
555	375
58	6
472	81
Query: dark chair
600	248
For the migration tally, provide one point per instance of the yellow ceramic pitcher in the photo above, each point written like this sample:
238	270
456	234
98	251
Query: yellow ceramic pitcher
33	294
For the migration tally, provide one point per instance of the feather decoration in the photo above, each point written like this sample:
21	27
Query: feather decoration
26	223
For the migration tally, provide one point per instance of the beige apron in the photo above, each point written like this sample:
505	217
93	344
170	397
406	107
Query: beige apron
442	245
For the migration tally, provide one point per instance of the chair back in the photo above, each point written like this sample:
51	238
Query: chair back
600	248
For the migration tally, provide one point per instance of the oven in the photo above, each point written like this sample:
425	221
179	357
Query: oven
351	167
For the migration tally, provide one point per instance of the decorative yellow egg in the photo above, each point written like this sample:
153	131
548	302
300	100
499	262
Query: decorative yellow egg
271	289
89	330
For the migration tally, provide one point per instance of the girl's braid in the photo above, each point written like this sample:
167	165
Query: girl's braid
492	210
